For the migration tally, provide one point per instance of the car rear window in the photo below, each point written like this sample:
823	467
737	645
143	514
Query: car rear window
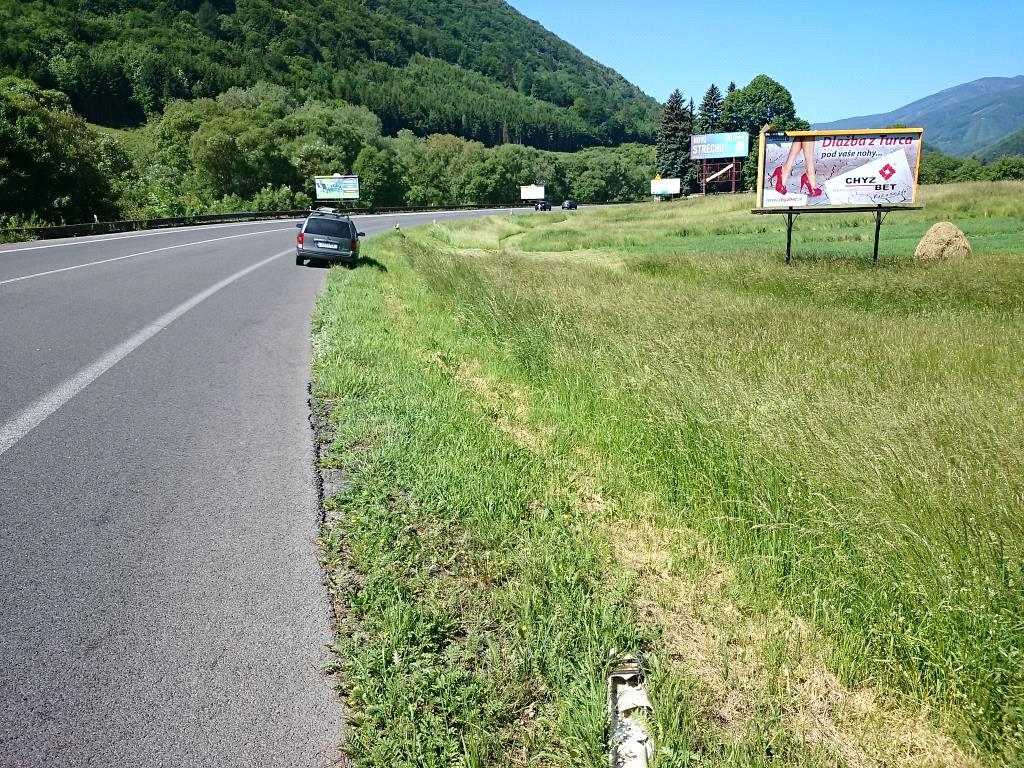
330	227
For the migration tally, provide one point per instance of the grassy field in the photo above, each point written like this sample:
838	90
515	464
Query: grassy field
800	490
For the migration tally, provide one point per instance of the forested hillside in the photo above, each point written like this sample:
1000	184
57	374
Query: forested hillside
472	68
258	149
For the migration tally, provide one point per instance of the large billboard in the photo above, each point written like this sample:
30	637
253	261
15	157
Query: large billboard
532	192
337	187
715	146
802	169
665	187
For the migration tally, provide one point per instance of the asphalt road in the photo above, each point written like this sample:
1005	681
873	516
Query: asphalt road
160	598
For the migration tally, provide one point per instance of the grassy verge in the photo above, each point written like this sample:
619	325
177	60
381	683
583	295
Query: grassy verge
799	489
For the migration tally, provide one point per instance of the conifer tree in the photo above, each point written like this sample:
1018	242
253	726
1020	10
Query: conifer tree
709	115
673	150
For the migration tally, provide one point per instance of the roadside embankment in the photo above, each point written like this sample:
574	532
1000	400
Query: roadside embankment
798	489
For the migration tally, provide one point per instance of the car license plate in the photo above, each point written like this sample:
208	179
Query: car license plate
328	246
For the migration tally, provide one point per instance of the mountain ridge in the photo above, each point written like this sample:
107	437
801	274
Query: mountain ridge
965	119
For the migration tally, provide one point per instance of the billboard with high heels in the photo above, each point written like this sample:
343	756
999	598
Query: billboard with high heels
802	169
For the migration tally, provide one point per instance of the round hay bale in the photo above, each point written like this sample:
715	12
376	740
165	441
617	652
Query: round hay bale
943	241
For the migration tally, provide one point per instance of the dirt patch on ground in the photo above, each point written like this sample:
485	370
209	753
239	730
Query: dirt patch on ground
505	404
943	241
748	666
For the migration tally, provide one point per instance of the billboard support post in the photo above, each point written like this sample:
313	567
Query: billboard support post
879	218
878	213
789	236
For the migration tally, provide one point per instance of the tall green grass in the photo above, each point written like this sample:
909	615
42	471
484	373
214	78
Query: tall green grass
848	439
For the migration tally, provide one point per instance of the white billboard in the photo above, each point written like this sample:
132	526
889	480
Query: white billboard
663	187
532	192
337	187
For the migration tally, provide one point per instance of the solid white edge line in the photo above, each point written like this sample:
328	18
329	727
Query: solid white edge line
91	239
178	230
35	414
140	253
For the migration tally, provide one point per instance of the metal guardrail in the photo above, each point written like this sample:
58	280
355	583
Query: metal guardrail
130	225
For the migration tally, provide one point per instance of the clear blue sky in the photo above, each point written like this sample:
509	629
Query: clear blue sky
838	58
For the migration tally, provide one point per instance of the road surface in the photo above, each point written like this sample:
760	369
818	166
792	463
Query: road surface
160	598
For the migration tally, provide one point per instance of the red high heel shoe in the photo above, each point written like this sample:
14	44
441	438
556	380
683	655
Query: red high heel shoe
776	178
811	191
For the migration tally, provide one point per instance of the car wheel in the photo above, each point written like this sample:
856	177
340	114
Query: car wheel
298	261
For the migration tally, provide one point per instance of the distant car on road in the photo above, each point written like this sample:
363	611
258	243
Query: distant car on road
327	235
542	205
569	205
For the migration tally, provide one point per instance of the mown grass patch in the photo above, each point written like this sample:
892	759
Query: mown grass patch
816	470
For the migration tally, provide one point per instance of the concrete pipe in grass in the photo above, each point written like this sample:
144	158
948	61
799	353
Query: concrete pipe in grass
630	743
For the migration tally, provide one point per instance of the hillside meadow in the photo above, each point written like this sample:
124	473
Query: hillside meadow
797	490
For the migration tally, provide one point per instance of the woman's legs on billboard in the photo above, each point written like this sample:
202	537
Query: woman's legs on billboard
808	180
781	174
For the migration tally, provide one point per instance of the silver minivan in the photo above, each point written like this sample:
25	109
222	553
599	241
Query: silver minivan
327	236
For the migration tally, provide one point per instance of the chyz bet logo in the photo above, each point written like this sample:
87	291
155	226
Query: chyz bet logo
886	172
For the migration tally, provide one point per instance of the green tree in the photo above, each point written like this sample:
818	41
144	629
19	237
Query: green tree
1005	169
315	157
937	168
98	85
51	164
709	114
448	165
498	176
969	170
673	148
207	19
219	163
761	102
380	177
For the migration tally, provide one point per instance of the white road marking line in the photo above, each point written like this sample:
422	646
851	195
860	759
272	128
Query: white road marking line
178	230
141	253
52	401
87	239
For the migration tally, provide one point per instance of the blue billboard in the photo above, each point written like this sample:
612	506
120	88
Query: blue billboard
715	146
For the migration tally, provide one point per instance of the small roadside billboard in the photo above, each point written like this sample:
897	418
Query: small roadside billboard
665	187
337	187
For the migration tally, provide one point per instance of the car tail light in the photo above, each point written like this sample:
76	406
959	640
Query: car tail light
354	246
298	240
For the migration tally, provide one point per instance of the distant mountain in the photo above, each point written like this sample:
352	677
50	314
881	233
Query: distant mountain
963	120
473	68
